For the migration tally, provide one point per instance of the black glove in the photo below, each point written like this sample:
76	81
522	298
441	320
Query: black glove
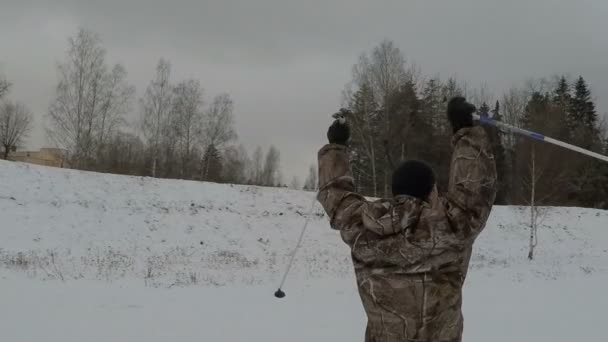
460	113
338	132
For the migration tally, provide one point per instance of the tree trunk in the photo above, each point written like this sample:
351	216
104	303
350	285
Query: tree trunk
186	159
388	129
154	166
374	178
386	195
206	171
532	205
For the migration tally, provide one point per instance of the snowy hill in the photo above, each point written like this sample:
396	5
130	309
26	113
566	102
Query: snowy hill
221	249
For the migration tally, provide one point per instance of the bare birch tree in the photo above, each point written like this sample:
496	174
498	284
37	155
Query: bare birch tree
537	213
156	107
187	119
271	172
481	95
311	180
513	105
90	100
15	123
257	166
115	101
218	124
384	72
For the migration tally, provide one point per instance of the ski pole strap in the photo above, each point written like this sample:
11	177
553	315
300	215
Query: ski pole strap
536	136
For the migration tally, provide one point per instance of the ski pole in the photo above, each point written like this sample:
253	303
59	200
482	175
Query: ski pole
537	136
341	117
279	293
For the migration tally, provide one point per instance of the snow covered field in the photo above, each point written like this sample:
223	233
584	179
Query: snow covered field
92	257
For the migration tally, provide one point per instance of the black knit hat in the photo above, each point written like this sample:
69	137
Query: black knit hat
413	178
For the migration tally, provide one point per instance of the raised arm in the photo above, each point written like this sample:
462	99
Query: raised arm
472	186
336	186
347	210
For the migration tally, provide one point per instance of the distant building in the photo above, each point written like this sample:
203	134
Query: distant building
46	156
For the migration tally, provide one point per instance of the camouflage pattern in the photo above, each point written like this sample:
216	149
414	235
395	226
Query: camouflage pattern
411	256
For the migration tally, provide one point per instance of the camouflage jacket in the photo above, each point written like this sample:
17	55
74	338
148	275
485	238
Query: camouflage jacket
410	256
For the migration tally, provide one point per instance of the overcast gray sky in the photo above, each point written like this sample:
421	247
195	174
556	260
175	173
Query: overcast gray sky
285	62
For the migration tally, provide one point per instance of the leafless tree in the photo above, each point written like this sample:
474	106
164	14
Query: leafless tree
481	95
541	175
236	165
537	213
540	85
187	118
384	72
90	100
5	85
513	105
533	209
311	180
15	123
363	119
295	183
257	166
156	107
218	124
245	161
278	180
124	154
270	173
115	101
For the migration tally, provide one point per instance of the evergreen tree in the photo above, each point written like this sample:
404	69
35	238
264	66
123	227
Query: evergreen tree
584	108
496	112
561	95
563	99
588	177
212	165
584	117
484	110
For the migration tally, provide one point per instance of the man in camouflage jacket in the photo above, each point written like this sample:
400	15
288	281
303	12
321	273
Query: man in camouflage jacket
411	252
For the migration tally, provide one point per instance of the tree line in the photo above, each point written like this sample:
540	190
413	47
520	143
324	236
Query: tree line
177	133
397	113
